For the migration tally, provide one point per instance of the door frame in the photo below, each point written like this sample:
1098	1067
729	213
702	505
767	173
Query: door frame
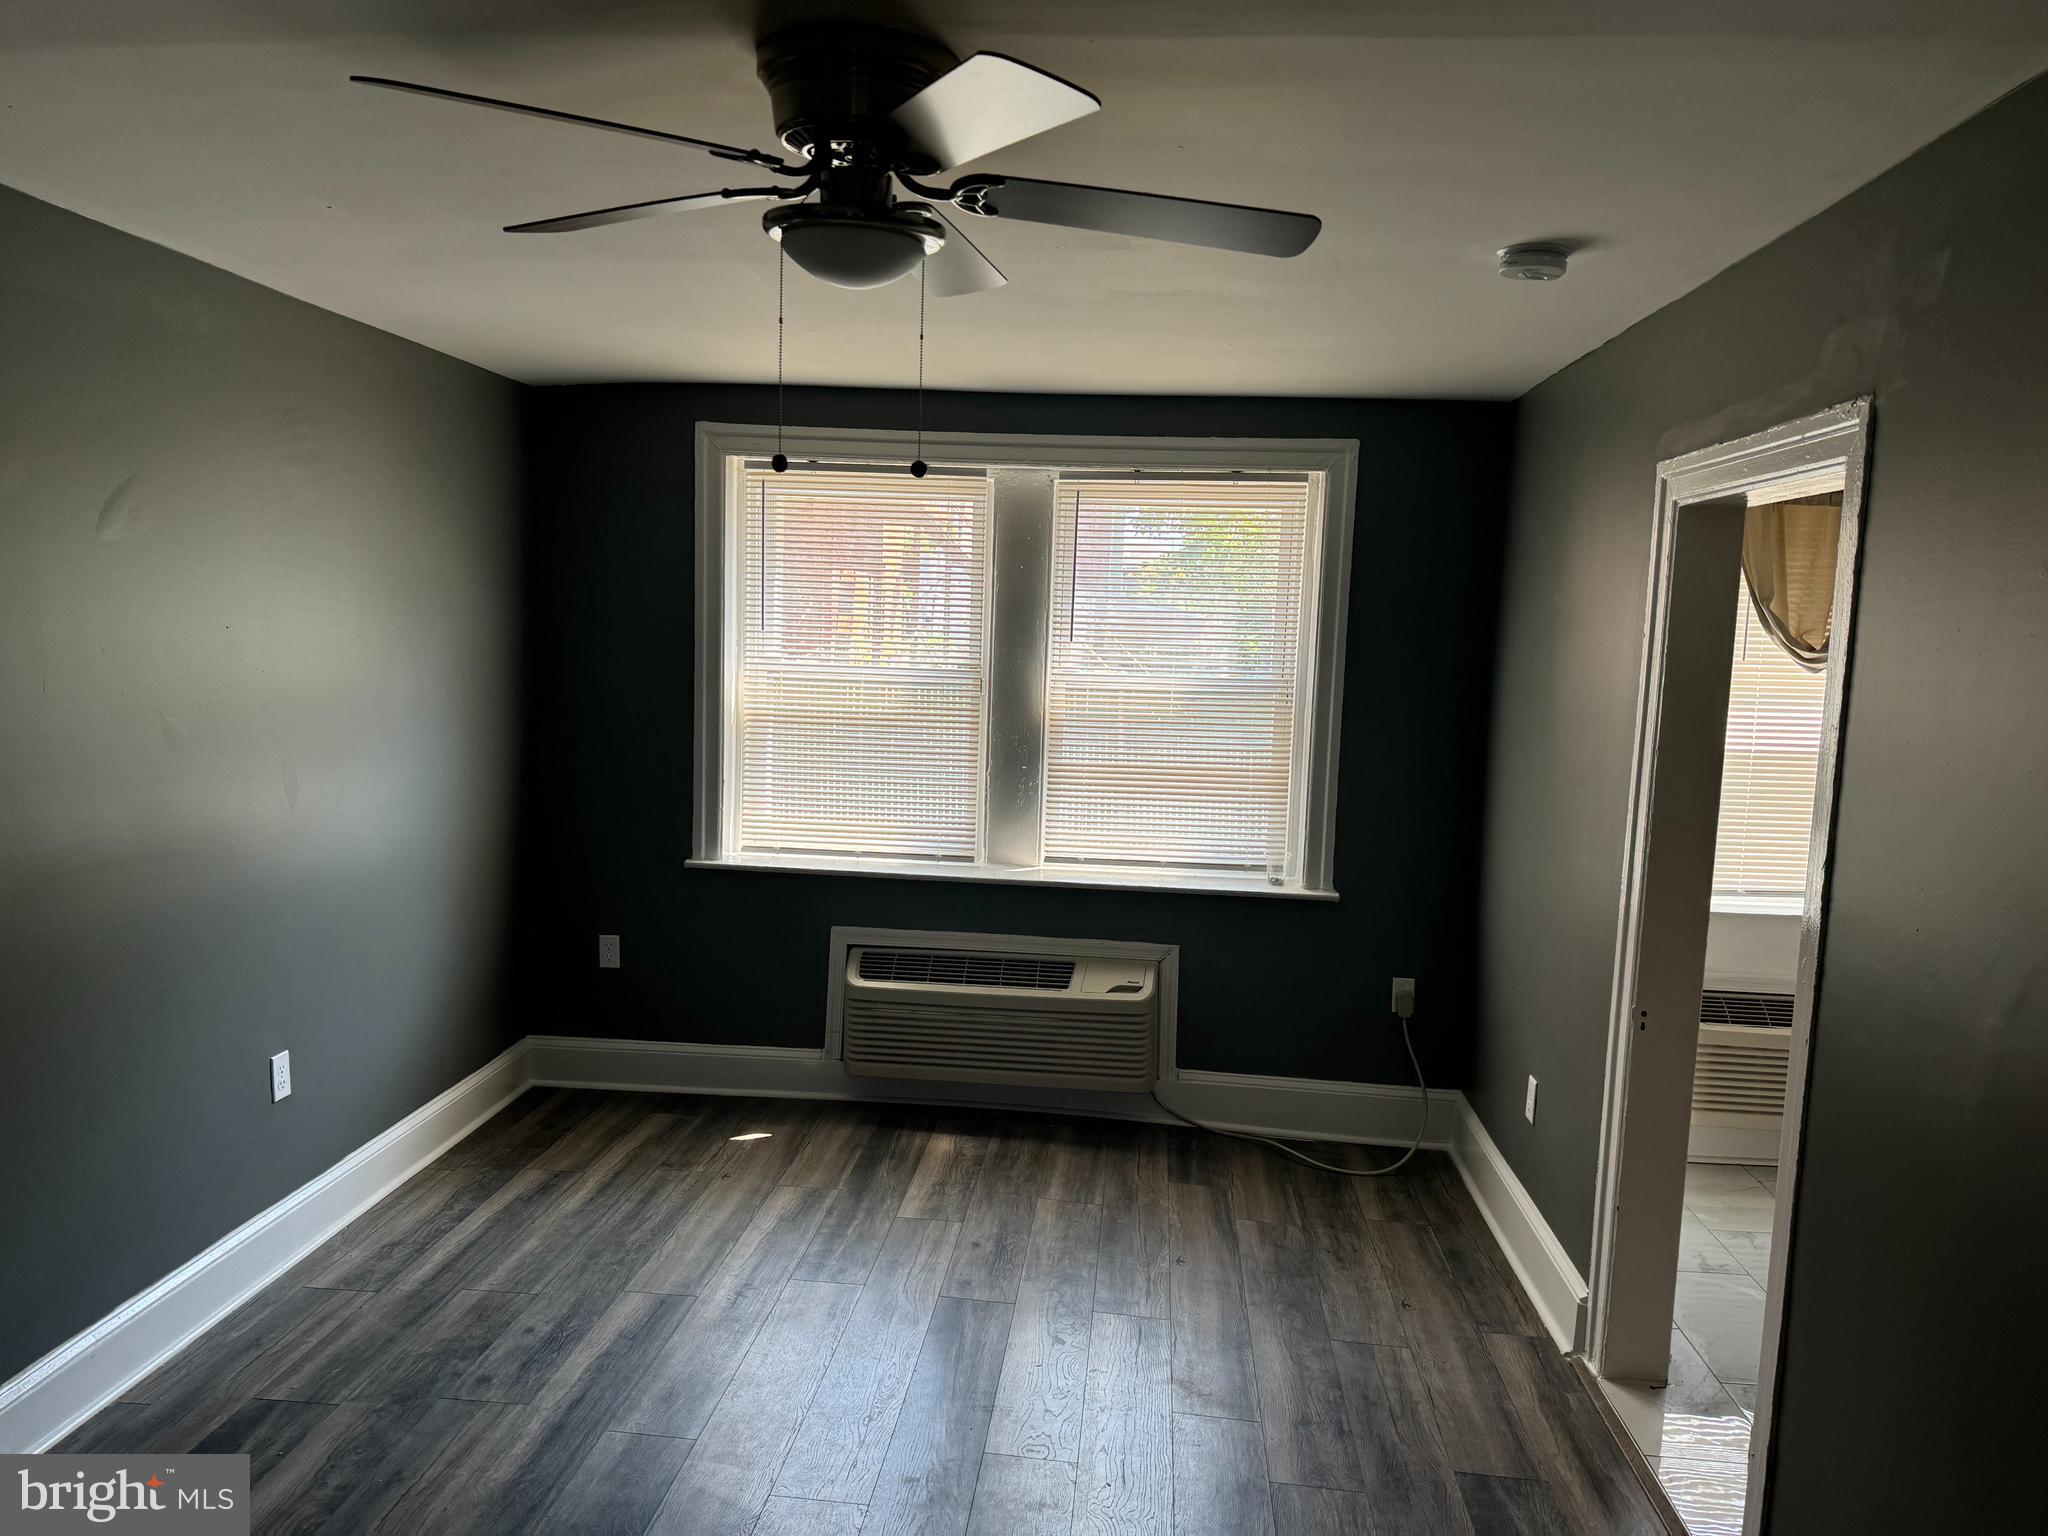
1758	467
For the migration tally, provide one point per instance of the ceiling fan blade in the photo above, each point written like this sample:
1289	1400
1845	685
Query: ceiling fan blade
723	151
960	268
625	213
1225	226
984	103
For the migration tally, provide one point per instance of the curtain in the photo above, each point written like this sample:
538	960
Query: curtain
1788	564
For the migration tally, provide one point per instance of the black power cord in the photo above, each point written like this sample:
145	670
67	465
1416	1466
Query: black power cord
1421	1124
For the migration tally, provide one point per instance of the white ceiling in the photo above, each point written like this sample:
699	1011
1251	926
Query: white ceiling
1669	139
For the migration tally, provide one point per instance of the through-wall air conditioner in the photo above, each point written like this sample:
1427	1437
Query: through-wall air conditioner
1059	1020
1739	1077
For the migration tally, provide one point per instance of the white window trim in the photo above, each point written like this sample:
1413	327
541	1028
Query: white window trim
1335	459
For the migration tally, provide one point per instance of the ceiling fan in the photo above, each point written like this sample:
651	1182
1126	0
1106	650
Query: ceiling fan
865	110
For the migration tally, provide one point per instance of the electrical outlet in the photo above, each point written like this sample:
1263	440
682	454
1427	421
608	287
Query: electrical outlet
608	951
1404	996
280	1076
1529	1103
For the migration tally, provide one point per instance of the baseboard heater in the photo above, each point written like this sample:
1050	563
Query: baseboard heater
1739	1077
1051	1019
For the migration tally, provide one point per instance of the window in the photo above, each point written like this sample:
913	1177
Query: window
862	649
1768	774
1177	660
1043	661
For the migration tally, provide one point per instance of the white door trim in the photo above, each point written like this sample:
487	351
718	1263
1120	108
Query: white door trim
1756	468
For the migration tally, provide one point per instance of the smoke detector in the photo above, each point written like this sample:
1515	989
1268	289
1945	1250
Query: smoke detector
1534	263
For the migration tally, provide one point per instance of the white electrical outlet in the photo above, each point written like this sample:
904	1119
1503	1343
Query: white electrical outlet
1529	1103
608	951
280	1076
1404	996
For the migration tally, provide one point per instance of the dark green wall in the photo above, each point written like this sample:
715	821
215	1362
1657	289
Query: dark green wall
1268	986
1924	1172
257	644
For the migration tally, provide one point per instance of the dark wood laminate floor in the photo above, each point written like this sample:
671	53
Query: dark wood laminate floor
601	1313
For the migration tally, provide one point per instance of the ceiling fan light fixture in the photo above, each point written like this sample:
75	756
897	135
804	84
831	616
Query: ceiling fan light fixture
854	248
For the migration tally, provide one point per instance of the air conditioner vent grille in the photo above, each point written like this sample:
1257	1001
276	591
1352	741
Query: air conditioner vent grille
1740	1070
1000	1008
1081	1047
955	968
1758	1010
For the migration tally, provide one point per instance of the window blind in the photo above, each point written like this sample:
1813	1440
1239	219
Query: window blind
860	706
1180	621
1768	769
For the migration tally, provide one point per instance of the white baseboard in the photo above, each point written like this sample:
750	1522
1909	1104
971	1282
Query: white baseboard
1382	1114
669	1066
72	1382
1552	1281
75	1380
663	1066
1272	1106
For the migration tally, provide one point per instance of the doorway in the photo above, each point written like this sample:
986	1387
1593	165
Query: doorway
1752	581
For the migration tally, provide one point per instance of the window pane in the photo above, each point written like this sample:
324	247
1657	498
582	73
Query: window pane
1768	771
861	703
1179	610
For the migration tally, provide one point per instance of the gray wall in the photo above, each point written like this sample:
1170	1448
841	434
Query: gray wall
1924	1173
257	584
740	957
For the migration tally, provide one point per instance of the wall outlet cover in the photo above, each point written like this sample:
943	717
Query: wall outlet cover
280	1076
1529	1103
608	951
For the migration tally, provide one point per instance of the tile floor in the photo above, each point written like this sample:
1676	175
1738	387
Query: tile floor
1695	1430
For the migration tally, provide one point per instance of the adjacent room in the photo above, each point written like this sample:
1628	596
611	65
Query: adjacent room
823	770
1694	1421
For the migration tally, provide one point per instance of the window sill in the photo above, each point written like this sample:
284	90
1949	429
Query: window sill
1759	906
985	874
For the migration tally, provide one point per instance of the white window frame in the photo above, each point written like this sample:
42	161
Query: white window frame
1023	468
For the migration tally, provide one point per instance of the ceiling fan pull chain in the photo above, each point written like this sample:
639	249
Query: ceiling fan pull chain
918	465
781	460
